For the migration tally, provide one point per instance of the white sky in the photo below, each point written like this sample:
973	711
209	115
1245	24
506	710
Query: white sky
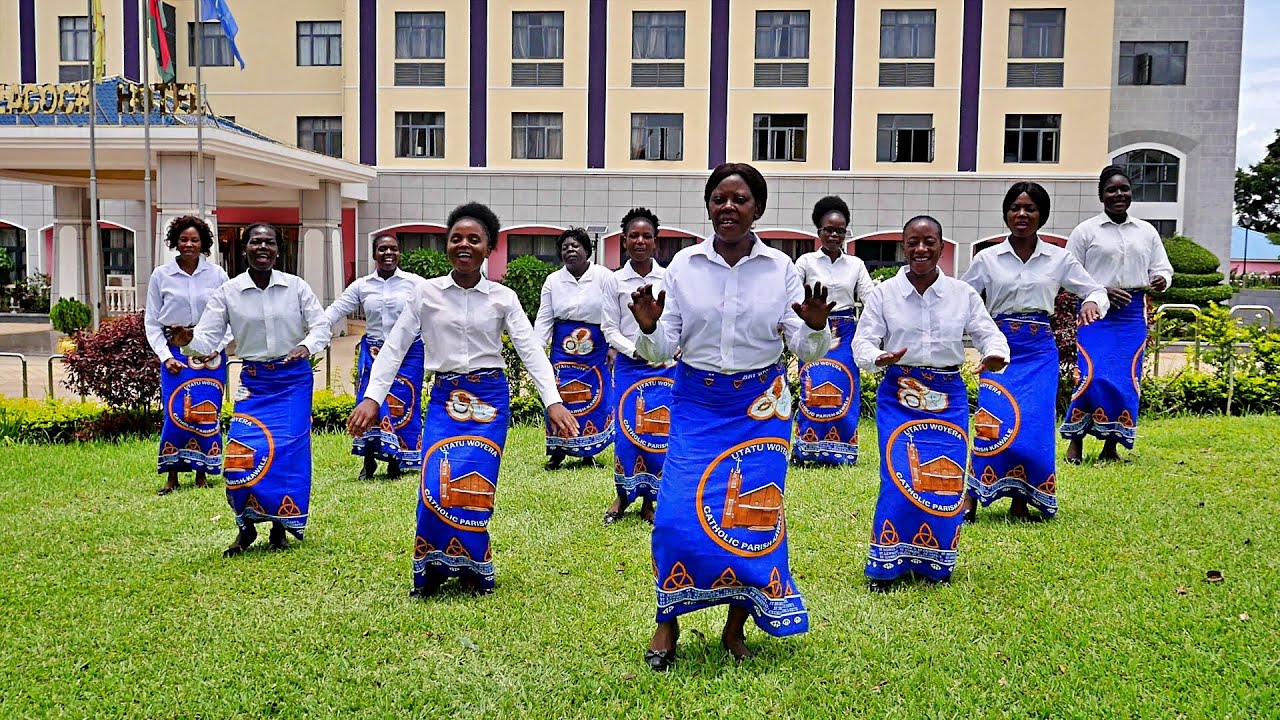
1259	81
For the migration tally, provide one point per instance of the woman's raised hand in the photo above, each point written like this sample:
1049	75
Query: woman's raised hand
815	309
646	309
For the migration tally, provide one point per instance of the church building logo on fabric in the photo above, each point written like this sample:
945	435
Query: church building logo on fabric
194	407
822	399
455	481
401	401
930	480
579	395
249	452
645	423
997	421
747	517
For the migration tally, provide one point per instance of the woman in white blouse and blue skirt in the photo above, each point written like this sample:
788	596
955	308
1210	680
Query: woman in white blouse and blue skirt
720	531
460	318
278	324
913	328
1013	435
397	437
191	387
1125	255
643	404
571	315
830	389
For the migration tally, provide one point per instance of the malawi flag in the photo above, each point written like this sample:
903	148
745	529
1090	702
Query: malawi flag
160	41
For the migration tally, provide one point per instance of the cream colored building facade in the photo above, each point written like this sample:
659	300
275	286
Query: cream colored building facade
561	113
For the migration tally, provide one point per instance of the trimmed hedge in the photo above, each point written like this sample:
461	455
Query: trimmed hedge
1198	295
426	263
1188	256
1193	280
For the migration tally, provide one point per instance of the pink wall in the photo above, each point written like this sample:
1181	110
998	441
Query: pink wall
1261	267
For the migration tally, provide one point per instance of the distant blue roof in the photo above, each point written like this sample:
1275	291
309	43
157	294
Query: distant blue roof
108	114
1260	248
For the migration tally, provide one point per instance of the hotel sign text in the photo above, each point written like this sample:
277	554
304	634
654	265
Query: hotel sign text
73	98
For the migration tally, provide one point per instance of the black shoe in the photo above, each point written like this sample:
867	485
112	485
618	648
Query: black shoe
555	461
424	591
879	586
660	660
393	469
243	540
166	490
971	512
277	540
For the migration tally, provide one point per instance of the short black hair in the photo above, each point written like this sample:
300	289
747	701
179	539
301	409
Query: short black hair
260	224
1035	191
923	218
481	214
826	206
575	233
385	236
183	223
1109	172
640	213
751	176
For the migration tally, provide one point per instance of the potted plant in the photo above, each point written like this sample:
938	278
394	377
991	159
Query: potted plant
68	316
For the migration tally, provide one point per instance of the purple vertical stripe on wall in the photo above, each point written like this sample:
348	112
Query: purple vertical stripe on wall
717	130
27	39
369	82
597	54
970	85
842	105
479	91
132	53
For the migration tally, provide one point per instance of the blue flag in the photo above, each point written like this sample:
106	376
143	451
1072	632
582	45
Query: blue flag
217	10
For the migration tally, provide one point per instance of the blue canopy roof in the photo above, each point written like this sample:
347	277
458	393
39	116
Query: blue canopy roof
1260	248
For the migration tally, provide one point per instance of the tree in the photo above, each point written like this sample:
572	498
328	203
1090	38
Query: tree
1258	194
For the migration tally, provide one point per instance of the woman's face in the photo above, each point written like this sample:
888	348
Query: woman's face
923	247
573	254
640	240
1117	195
261	249
189	243
832	233
468	245
1022	217
732	208
386	253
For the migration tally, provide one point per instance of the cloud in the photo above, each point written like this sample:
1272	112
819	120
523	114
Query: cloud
1259	81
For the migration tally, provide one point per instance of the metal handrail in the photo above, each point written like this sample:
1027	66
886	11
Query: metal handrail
1194	310
1258	311
23	359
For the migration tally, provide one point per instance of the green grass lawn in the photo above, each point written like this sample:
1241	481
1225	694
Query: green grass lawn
118	603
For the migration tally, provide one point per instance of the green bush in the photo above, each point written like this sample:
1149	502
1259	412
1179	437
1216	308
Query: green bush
330	411
1188	256
1193	280
1197	295
884	273
69	315
31	294
426	263
44	421
525	276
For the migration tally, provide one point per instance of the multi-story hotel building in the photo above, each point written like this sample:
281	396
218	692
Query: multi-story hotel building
562	113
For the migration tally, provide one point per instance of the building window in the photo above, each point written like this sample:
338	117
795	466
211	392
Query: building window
319	43
420	134
667	247
1032	138
215	50
791	247
537	136
782	35
907	34
537	36
410	241
321	134
904	138
73	39
1166	228
1153	63
657	35
419	36
14	243
117	252
1037	33
1153	174
544	247
779	137
657	136
879	253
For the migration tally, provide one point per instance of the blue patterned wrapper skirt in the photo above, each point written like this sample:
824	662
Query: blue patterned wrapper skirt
720	531
580	358
398	434
643	423
922	418
267	461
830	400
1013	429
1109	363
466	430
191	436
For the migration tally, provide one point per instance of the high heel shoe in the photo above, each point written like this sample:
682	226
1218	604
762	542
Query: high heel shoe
662	660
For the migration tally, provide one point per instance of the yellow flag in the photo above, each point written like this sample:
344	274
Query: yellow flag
99	42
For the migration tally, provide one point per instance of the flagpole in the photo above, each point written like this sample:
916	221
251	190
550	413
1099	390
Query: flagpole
94	284
199	110
148	211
